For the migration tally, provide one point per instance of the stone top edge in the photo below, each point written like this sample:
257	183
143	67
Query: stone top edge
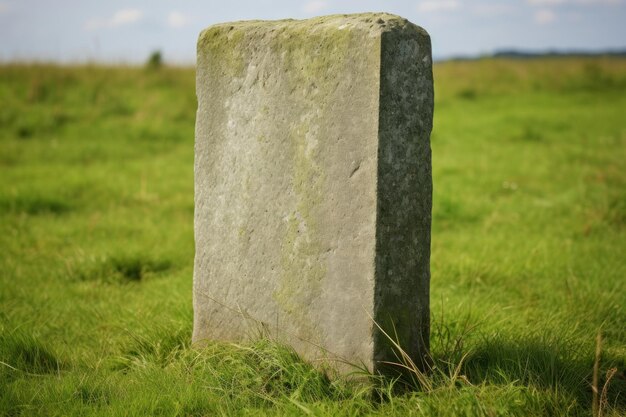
374	23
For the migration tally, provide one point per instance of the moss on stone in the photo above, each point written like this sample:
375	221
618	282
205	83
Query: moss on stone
301	270
309	53
223	44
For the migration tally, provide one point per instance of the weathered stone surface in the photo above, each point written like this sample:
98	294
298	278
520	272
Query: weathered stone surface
313	185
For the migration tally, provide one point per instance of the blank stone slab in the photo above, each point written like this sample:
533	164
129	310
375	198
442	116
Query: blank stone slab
313	185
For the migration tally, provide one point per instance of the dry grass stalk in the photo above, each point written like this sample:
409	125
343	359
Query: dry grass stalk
596	370
603	398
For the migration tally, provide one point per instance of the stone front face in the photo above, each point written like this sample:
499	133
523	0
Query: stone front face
313	184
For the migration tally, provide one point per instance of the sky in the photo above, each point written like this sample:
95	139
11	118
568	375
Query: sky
127	31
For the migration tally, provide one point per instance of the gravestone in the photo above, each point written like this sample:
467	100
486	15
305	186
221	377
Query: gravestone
313	186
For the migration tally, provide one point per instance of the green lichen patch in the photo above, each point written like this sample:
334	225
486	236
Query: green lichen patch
309	55
224	47
302	272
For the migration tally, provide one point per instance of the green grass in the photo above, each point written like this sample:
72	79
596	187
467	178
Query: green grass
96	251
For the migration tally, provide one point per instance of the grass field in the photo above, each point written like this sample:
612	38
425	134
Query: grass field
96	251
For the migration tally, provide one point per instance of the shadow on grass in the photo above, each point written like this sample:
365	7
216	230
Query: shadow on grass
121	269
135	268
551	365
23	354
33	205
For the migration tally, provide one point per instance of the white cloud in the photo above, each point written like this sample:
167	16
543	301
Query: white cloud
126	16
544	16
120	18
177	20
4	7
315	6
438	6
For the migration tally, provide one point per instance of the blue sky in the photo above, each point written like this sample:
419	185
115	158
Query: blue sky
126	31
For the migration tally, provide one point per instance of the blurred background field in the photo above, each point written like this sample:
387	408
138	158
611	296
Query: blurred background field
96	249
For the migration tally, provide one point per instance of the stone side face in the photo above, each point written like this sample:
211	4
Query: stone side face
402	300
290	180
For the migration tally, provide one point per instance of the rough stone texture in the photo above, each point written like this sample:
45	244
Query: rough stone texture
313	185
